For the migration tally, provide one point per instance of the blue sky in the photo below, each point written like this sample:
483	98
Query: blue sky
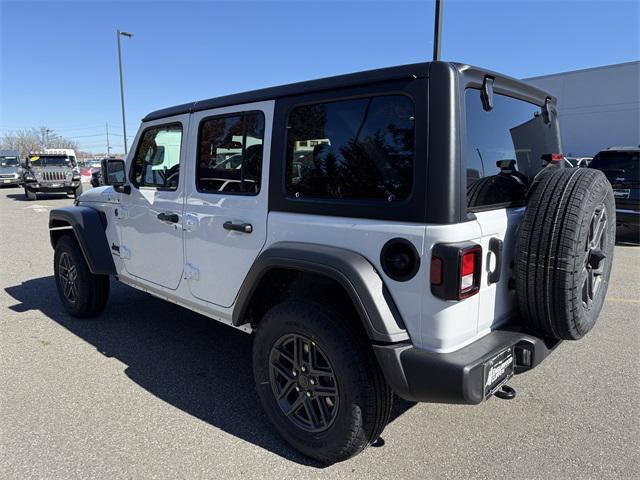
60	69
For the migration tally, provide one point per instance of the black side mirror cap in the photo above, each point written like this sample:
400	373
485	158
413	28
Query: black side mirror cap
486	94
114	174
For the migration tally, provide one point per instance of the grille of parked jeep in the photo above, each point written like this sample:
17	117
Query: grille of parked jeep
52	176
6	175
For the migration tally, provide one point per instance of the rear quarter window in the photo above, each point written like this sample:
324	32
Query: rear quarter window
504	149
360	149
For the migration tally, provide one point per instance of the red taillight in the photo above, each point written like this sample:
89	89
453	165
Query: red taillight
469	273
455	270
557	157
436	271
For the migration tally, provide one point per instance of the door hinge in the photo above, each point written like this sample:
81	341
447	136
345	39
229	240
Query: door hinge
122	212
191	272
191	222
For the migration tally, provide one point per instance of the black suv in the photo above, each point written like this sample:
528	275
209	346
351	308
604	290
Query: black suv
621	165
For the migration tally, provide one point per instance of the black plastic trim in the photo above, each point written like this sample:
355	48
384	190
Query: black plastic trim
351	270
456	377
89	227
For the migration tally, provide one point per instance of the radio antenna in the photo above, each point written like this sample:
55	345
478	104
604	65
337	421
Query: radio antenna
437	31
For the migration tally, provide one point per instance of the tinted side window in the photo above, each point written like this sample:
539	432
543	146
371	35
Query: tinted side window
352	149
230	153
505	149
157	160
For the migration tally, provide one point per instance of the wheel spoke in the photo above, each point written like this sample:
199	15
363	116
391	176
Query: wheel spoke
322	391
312	414
282	370
286	390
295	405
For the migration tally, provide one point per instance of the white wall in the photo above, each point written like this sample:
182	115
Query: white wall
599	107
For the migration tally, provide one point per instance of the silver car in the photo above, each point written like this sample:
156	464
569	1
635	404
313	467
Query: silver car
10	170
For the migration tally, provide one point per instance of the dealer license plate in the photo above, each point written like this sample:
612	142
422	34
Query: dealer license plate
55	185
497	371
621	193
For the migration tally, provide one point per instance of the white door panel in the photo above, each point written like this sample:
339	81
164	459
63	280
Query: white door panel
152	249
497	301
218	259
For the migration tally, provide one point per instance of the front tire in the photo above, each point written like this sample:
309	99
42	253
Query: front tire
82	293
318	381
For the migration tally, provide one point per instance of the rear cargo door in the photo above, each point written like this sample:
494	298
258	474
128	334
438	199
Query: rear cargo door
506	147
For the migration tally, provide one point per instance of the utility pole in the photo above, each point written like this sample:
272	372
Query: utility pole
124	123
437	31
108	146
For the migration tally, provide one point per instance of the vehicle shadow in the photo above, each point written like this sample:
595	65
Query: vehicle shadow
19	197
190	361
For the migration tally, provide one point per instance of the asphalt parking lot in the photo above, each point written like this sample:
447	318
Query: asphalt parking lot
151	390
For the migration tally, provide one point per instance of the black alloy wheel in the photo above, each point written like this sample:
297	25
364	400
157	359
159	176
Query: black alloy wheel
303	382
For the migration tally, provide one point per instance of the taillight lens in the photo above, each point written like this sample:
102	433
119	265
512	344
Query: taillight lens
455	270
469	271
557	157
436	271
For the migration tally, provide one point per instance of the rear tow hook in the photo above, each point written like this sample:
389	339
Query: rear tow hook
506	393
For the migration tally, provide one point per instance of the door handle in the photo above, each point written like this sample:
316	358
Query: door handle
169	217
495	247
238	227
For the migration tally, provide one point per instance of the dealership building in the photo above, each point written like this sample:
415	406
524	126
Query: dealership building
598	107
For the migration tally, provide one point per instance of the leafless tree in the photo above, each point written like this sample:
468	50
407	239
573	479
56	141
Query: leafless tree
34	139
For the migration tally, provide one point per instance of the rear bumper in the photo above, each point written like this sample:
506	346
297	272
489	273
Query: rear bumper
457	377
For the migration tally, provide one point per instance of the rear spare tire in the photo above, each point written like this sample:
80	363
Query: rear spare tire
565	252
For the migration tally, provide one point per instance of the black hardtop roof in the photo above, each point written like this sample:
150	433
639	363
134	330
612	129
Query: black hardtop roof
413	70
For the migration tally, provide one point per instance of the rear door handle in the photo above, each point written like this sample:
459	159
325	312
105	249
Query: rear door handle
169	217
495	247
238	227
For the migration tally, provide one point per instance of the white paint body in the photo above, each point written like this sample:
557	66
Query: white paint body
198	264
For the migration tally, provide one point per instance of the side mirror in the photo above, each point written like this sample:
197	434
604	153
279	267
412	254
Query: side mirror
114	174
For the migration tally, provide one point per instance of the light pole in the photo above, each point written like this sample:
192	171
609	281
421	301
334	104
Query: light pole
124	123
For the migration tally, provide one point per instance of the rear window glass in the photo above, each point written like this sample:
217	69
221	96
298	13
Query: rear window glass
506	147
360	149
627	163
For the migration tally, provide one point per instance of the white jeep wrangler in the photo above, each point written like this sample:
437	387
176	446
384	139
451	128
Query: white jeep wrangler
406	230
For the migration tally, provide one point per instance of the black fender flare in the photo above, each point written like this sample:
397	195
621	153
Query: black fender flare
88	225
372	300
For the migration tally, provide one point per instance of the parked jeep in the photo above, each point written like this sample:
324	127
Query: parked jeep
409	230
53	171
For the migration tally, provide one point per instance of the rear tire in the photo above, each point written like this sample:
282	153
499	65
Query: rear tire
565	252
29	194
352	406
82	293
